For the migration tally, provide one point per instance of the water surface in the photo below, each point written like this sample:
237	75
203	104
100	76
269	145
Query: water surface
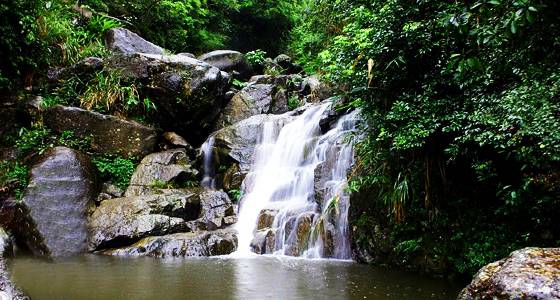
100	278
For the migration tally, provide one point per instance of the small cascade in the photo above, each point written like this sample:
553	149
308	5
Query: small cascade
295	201
209	177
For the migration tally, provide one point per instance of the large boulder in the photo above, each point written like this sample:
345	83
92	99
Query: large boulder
530	273
7	289
124	41
162	169
122	221
316	89
109	134
188	93
235	144
287	64
229	61
55	203
255	99
264	241
216	210
206	243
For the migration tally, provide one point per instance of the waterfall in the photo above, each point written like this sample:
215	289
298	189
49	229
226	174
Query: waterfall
209	177
295	201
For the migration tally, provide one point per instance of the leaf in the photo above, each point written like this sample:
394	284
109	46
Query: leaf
513	27
494	2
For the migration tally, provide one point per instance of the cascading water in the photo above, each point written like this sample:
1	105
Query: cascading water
209	177
295	203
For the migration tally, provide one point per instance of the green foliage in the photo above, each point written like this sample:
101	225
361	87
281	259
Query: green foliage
236	195
116	169
293	102
15	176
238	84
461	104
37	139
256	57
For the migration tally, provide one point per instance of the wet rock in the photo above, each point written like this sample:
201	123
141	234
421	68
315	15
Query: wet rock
236	143
298	236
177	141
233	178
124	41
161	170
215	207
123	221
109	134
55	203
252	100
266	218
229	61
530	273
264	242
8	290
188	93
205	243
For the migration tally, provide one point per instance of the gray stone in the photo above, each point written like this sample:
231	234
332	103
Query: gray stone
215	208
109	134
123	221
55	203
229	61
121	40
188	93
205	243
264	242
530	273
170	168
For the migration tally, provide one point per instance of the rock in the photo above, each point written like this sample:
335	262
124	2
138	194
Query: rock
530	273
266	218
8	290
84	67
264	242
229	61
171	168
287	65
315	89
220	242
109	134
124	41
109	191
122	221
177	141
298	236
55	203
233	178
236	143
215	207
187	54
255	99
188	93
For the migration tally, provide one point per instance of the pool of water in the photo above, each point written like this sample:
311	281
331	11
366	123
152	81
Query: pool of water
99	277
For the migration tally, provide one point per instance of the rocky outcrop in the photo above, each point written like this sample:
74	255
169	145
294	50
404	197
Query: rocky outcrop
530	273
219	242
216	210
188	93
236	143
264	241
108	134
171	168
123	221
255	99
7	289
286	63
316	89
266	218
55	204
229	61
124	41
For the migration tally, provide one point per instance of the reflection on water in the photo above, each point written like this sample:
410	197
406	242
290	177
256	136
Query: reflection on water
98	277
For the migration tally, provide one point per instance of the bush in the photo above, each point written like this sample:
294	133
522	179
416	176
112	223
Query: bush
116	169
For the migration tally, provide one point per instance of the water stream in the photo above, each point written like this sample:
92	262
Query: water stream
298	178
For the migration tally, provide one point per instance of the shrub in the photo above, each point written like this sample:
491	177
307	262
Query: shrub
116	169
